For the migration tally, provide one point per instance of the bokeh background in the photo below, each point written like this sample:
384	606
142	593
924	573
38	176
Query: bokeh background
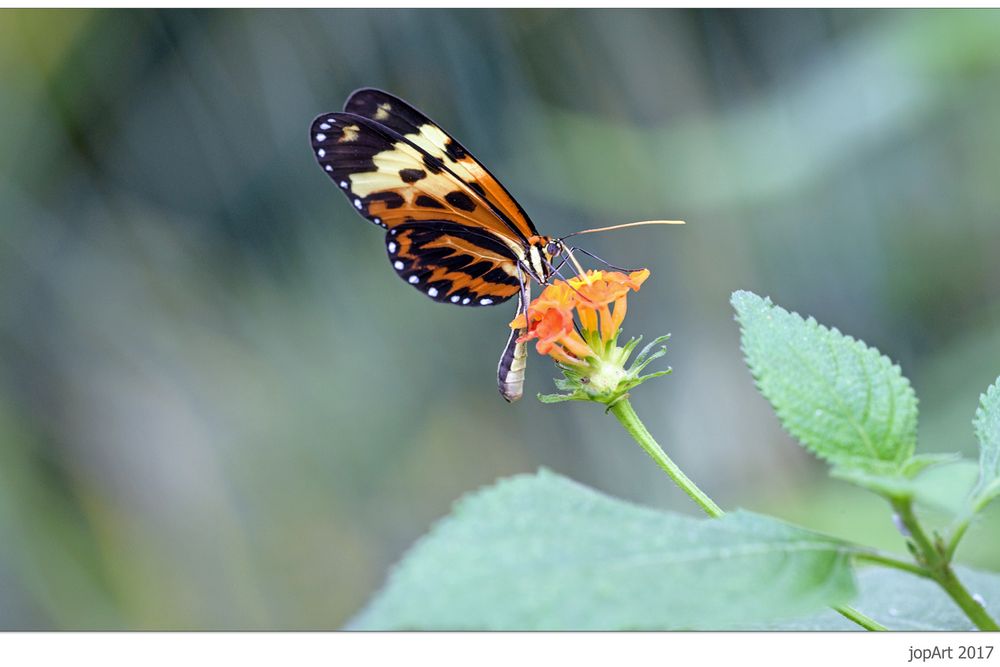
220	408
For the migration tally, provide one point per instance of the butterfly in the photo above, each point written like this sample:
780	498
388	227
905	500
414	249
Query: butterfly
453	231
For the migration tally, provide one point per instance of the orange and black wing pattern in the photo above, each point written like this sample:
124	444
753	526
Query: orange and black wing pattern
453	231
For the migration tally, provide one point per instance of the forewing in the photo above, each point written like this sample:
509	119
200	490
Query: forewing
392	181
452	263
394	113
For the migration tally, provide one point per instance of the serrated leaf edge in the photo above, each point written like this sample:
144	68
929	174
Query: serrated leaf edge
740	298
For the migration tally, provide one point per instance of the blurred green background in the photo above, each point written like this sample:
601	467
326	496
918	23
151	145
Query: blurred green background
220	408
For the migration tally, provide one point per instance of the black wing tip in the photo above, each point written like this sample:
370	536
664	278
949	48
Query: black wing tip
331	118
322	124
355	94
366	93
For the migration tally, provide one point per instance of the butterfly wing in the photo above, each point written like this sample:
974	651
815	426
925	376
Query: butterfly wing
453	231
452	264
399	116
451	240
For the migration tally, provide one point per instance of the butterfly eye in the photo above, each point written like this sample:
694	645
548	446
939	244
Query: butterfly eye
553	248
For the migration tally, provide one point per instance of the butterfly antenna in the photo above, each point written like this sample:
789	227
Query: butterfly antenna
627	224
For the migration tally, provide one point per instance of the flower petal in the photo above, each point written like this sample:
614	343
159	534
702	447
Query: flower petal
597	299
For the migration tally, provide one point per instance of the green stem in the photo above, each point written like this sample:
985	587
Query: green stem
961	524
889	561
975	611
852	614
936	559
626	415
930	556
956	536
630	420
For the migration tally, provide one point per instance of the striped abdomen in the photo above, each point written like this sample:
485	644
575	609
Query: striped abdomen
510	371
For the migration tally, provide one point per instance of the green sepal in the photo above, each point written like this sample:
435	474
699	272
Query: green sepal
559	398
577	381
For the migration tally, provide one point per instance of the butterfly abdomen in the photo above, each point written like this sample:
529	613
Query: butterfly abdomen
513	361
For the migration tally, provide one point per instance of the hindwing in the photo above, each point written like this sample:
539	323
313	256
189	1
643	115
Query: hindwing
452	263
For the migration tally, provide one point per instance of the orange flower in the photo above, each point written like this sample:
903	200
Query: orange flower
633	280
597	298
601	289
577	322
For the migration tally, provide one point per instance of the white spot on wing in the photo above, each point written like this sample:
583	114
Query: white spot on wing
432	292
357	204
398	264
343	184
321	136
454	299
324	126
321	153
392	246
414	280
378	221
486	302
465	300
328	168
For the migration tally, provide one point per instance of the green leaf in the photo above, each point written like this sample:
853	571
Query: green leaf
892	486
946	487
987	425
919	463
841	399
939	481
901	601
540	552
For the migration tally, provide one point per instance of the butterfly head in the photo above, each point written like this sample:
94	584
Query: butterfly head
542	250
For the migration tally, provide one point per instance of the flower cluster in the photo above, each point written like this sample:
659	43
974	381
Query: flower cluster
577	322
